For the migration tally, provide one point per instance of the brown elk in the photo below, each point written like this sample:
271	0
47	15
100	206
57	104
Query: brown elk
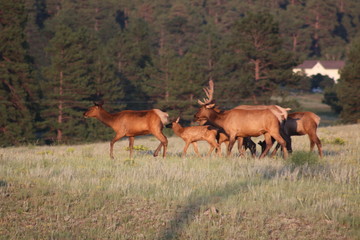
297	124
194	134
240	123
274	108
131	123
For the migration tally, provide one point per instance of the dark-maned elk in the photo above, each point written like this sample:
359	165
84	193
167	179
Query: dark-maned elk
194	134
239	123
131	123
297	124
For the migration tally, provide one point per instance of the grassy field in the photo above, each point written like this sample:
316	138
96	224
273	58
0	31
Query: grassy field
78	192
313	102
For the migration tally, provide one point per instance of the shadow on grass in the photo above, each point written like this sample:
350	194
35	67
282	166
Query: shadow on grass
203	198
200	199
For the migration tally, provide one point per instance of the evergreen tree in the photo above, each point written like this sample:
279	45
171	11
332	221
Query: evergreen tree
17	87
132	53
257	38
322	21
349	85
67	79
294	29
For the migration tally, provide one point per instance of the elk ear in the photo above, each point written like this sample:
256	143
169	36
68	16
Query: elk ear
212	105
177	120
99	103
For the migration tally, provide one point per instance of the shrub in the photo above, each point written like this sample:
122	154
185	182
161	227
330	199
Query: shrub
335	141
138	148
303	158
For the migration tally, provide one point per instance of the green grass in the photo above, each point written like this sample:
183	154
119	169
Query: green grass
78	192
313	102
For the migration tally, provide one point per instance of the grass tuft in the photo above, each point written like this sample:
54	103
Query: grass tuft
302	158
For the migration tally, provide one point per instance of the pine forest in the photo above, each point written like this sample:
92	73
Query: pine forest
58	56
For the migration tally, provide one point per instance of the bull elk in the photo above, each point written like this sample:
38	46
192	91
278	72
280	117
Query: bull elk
240	123
193	134
131	123
297	124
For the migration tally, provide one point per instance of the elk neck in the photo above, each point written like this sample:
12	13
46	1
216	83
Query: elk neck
216	118
177	128
106	117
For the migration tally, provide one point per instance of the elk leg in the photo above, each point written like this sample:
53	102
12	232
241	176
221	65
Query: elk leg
315	140
213	144
282	142
275	150
218	149
226	145
240	146
131	146
196	149
163	143
230	146
251	145
318	144
269	144
116	138
185	149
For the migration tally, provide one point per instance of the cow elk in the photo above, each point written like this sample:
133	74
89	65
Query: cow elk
297	124
240	123
193	134
132	123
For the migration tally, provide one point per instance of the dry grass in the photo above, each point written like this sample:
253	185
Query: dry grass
78	192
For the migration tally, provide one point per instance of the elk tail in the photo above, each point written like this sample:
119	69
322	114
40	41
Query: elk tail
278	114
164	117
317	119
284	112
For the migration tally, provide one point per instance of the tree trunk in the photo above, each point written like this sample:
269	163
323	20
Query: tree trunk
257	77
60	107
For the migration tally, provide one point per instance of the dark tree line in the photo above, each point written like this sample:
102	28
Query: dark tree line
56	57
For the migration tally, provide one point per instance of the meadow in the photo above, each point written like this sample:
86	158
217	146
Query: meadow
78	192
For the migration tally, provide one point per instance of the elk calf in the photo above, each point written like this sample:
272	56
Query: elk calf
297	124
131	123
194	134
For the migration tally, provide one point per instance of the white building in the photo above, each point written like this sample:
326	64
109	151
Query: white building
314	67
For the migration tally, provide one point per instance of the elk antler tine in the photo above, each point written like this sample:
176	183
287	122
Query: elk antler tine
209	91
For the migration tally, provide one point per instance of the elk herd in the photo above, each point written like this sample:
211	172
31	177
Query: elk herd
216	126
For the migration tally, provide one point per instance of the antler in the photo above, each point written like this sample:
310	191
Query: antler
209	91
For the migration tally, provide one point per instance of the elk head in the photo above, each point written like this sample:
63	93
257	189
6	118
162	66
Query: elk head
94	110
173	123
207	104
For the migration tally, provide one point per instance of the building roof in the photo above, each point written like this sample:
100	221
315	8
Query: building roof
327	64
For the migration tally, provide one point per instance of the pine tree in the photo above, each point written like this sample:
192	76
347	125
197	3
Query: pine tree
66	88
349	85
132	53
256	37
322	21
17	87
